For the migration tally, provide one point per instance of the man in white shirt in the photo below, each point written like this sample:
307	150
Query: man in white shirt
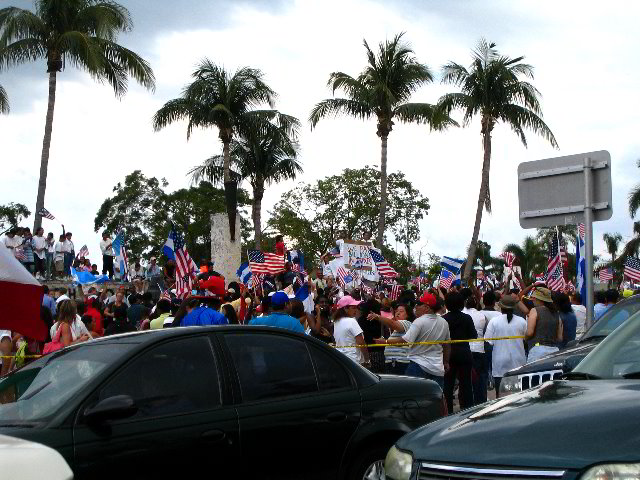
40	253
491	310
107	254
50	254
58	258
11	241
426	361
69	251
477	351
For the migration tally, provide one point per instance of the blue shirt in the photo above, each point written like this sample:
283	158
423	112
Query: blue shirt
50	303
569	324
280	320
599	309
203	316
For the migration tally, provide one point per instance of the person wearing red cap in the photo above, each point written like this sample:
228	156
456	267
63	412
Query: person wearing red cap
426	361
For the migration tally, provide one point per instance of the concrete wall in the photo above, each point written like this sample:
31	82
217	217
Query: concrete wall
225	254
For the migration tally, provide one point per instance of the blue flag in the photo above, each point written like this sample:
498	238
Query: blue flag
452	264
304	295
581	268
244	273
86	278
169	248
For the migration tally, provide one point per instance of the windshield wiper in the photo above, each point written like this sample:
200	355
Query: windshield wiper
580	376
593	337
631	375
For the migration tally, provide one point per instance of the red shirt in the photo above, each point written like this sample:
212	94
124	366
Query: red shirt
97	319
280	248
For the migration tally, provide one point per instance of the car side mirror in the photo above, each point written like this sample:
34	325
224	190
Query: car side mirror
112	408
571	362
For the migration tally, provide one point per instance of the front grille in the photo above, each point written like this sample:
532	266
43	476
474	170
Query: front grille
530	380
436	471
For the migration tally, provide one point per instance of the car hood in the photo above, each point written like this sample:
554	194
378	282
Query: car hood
561	424
555	360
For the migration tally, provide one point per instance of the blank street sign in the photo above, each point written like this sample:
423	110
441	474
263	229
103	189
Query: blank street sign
551	191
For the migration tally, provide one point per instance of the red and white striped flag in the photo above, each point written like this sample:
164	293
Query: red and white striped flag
83	253
395	292
508	258
581	231
632	268
344	277
605	275
269	263
165	295
384	269
446	278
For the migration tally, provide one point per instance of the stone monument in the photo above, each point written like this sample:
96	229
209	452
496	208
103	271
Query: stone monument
225	254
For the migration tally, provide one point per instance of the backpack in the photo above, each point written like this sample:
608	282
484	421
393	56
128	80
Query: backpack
55	344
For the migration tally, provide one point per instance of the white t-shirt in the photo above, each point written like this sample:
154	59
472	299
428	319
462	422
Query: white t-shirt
428	328
78	328
51	247
507	354
67	246
104	249
345	331
39	242
480	322
581	316
3	334
59	257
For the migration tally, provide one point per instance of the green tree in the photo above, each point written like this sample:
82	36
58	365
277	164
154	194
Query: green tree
568	234
612	241
382	91
345	205
12	214
492	88
633	246
230	103
484	259
531	256
4	100
261	158
80	33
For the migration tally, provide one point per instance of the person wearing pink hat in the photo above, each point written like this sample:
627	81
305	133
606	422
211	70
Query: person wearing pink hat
426	361
347	332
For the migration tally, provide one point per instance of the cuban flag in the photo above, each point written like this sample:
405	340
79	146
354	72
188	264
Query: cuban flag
304	295
452	264
169	247
244	273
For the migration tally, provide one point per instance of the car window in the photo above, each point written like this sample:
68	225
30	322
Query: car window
331	374
175	377
612	319
271	366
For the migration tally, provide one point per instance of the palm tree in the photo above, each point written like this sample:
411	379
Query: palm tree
230	103
263	159
531	256
4	101
382	91
492	89
612	241
81	33
633	246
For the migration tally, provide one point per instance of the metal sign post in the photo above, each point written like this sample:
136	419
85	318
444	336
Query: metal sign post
588	237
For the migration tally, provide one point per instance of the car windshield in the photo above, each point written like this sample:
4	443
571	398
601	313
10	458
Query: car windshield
617	356
612	319
37	391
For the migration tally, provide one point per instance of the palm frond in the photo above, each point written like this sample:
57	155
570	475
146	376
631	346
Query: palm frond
18	24
339	106
211	169
22	51
4	100
172	111
119	58
424	113
454	74
634	201
519	118
104	20
453	101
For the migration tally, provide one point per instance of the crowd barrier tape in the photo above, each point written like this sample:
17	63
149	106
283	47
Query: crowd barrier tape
435	342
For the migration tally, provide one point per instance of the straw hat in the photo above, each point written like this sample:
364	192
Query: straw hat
542	294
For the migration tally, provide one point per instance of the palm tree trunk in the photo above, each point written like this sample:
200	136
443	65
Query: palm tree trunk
226	161
383	189
46	144
256	214
484	185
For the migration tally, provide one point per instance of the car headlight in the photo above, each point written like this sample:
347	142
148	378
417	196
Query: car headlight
509	385
397	465
613	471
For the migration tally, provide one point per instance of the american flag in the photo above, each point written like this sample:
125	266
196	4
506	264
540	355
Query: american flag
632	268
43	212
265	262
446	278
185	266
605	274
166	295
395	292
256	280
297	268
555	277
84	252
581	231
344	276
384	269
541	279
508	258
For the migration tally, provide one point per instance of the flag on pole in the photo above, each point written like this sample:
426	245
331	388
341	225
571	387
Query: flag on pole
121	255
186	268
44	213
605	275
383	267
452	265
555	277
395	292
269	263
632	268
581	266
244	273
509	257
344	277
83	253
446	278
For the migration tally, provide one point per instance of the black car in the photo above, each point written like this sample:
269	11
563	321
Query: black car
555	365
225	402
583	427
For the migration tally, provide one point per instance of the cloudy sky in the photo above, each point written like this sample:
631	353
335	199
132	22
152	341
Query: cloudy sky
584	54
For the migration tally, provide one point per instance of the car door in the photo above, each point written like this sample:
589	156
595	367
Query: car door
181	419
298	406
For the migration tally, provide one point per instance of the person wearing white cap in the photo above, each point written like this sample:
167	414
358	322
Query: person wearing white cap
152	269
347	332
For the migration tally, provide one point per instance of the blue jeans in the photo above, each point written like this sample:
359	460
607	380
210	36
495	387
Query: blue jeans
536	353
415	370
49	257
480	378
68	260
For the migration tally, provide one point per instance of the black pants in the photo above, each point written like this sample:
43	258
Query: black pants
480	378
40	264
107	265
461	371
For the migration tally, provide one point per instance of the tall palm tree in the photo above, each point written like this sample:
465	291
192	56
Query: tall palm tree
230	103
382	91
633	246
261	157
4	101
81	33
492	89
531	256
612	241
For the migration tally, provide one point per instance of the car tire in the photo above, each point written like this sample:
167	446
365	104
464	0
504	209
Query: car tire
365	464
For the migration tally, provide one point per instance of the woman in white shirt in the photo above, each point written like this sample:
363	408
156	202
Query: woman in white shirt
507	354
347	331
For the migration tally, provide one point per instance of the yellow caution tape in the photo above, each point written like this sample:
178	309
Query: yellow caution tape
435	342
21	356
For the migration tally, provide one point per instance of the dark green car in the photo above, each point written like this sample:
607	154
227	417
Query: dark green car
216	402
585	426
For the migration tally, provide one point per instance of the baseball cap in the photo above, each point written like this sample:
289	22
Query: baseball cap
348	301
279	299
428	299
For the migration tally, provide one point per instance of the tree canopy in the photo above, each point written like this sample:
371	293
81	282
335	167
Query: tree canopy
12	214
